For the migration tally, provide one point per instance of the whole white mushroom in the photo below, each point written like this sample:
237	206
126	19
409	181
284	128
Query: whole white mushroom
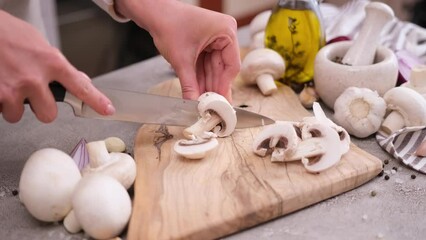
47	182
101	207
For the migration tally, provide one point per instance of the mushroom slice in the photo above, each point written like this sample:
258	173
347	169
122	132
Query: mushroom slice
217	115
320	116
407	109
279	139
331	143
360	111
196	148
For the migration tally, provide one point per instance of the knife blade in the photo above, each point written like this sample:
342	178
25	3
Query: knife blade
141	107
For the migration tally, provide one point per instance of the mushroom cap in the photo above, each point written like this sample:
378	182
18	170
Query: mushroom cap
259	22
195	149
47	181
262	61
360	111
409	103
280	139
213	102
102	206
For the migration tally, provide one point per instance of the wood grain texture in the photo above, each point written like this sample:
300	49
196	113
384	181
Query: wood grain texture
232	188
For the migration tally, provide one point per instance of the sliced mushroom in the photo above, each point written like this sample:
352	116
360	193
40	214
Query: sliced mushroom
279	139
330	141
217	115
263	66
360	111
320	116
196	148
407	108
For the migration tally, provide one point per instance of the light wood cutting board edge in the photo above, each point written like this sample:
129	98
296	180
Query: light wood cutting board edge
370	168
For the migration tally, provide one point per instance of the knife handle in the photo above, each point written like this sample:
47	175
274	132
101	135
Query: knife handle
57	90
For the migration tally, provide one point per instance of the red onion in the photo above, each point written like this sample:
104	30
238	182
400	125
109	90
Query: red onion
80	154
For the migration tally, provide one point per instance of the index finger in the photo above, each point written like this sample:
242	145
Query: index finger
80	85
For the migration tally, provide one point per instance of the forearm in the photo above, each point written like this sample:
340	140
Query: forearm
148	14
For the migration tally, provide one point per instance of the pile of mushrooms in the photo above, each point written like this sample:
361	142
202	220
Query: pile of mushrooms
315	141
217	119
95	199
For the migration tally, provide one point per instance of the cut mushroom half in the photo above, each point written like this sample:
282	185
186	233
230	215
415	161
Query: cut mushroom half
217	116
331	144
279	139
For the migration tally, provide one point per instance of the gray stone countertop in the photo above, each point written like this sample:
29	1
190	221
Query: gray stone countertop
396	212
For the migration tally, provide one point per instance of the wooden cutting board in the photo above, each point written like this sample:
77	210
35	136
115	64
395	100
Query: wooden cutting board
232	188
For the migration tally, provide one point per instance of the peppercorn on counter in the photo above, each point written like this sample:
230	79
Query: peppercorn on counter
390	206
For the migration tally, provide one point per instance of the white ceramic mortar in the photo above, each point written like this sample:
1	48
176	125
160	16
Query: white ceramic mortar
332	78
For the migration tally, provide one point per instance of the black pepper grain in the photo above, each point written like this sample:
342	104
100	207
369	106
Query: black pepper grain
15	192
413	176
387	177
386	161
381	173
395	168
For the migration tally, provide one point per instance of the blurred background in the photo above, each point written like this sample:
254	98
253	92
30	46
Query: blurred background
96	44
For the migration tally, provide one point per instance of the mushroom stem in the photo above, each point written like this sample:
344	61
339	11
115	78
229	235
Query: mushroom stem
266	84
203	124
71	224
98	153
393	122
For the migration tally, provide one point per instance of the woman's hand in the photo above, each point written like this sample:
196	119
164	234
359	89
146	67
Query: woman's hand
27	64
201	45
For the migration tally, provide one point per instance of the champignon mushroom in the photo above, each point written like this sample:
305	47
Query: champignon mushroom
120	166
279	139
257	29
360	111
407	108
263	66
330	142
196	148
101	207
417	80
217	115
47	181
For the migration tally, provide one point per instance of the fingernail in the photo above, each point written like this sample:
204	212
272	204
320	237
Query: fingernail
110	110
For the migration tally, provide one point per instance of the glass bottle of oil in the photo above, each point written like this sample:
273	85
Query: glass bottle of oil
295	31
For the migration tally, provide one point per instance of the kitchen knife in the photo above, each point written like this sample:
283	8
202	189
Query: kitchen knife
149	108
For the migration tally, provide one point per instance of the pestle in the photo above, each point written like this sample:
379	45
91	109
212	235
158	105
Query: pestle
364	47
